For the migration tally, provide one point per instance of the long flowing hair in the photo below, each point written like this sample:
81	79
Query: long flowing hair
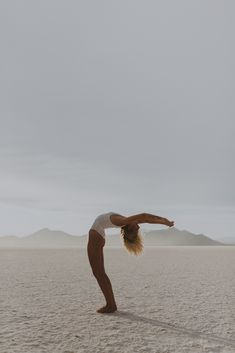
134	246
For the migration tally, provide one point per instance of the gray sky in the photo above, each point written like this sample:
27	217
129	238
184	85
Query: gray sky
123	106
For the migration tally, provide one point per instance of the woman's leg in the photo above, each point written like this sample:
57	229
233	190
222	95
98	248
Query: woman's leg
95	255
108	280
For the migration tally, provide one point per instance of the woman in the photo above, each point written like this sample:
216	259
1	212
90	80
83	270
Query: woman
132	241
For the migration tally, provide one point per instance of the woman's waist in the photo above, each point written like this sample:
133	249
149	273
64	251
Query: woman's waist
94	231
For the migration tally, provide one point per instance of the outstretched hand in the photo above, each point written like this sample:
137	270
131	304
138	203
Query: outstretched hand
170	223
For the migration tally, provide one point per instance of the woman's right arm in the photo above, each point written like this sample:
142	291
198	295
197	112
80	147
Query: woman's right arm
141	218
150	218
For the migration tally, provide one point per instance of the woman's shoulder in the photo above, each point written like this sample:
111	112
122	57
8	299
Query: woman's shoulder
117	219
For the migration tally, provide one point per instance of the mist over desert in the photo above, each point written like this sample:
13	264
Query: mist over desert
56	239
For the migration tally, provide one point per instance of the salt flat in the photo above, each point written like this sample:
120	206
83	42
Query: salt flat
170	299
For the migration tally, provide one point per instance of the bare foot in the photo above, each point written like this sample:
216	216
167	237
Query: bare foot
107	309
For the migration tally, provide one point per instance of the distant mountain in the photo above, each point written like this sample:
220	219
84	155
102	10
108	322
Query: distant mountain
44	238
173	236
55	239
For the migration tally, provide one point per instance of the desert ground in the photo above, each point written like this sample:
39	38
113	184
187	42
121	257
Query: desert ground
170	299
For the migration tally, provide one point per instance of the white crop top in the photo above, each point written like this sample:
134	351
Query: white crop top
102	222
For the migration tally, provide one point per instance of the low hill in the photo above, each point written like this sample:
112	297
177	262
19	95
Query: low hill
55	239
174	236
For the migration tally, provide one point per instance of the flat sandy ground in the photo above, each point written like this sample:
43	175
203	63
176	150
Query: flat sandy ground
171	299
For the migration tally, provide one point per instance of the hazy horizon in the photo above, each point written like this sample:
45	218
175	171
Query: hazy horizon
124	107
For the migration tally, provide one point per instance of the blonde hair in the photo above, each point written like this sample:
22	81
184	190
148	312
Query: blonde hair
134	246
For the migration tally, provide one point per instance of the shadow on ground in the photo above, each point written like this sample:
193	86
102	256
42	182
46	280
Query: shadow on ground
180	329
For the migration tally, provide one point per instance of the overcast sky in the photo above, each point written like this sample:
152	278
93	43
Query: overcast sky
123	106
